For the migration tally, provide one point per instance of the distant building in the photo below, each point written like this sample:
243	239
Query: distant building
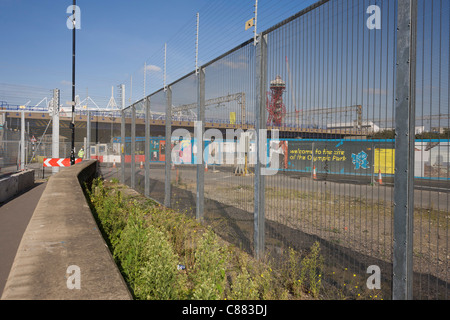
439	130
420	129
366	126
417	129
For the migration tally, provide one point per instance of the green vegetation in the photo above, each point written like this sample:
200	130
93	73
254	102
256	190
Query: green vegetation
163	254
390	134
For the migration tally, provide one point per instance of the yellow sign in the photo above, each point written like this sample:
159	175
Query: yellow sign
249	24
232	117
385	161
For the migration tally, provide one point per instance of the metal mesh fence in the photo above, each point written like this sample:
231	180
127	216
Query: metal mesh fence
127	161
229	145
103	141
431	153
139	149
331	77
157	145
183	179
34	129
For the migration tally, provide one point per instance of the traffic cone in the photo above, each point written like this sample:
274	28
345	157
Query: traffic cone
380	179
314	173
114	163
206	167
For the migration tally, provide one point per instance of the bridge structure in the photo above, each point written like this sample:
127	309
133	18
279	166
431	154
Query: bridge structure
105	121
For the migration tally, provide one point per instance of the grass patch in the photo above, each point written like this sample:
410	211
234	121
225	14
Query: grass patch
167	255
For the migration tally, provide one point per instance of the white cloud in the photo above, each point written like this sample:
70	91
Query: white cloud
152	67
376	91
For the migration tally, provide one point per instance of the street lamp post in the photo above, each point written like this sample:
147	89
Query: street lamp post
72	125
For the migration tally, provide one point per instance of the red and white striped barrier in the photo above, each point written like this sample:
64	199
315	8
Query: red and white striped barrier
59	162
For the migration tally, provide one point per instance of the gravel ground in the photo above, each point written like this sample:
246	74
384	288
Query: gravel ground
352	222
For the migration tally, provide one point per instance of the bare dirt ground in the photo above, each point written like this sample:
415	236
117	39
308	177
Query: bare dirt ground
354	223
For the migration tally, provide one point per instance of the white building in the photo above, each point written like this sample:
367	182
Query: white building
367	126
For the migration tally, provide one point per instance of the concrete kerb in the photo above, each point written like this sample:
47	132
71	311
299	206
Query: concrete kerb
62	255
15	184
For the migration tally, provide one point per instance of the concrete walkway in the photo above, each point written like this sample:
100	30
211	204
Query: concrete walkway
14	218
62	254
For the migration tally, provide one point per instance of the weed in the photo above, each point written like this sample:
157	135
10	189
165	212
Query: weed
130	249
159	277
208	273
243	284
115	181
149	241
244	287
268	284
311	270
292	281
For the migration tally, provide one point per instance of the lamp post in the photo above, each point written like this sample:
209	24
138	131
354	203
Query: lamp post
72	125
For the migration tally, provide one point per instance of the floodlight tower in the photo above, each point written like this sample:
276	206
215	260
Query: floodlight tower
275	104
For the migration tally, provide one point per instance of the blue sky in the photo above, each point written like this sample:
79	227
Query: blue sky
117	37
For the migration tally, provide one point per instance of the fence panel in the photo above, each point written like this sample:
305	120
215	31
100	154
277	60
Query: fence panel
38	140
127	115
139	153
329	78
431	165
229	145
184	151
157	146
104	142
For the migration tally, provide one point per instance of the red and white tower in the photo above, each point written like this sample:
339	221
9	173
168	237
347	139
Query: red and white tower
275	105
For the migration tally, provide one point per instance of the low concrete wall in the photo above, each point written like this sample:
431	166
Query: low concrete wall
63	247
16	183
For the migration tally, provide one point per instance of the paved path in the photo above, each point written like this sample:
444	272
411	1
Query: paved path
14	218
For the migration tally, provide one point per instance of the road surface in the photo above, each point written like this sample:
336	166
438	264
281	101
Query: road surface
14	218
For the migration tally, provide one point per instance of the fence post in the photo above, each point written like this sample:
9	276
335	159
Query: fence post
122	147
133	147
22	140
168	149
198	135
259	199
147	147
404	150
88	136
55	127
